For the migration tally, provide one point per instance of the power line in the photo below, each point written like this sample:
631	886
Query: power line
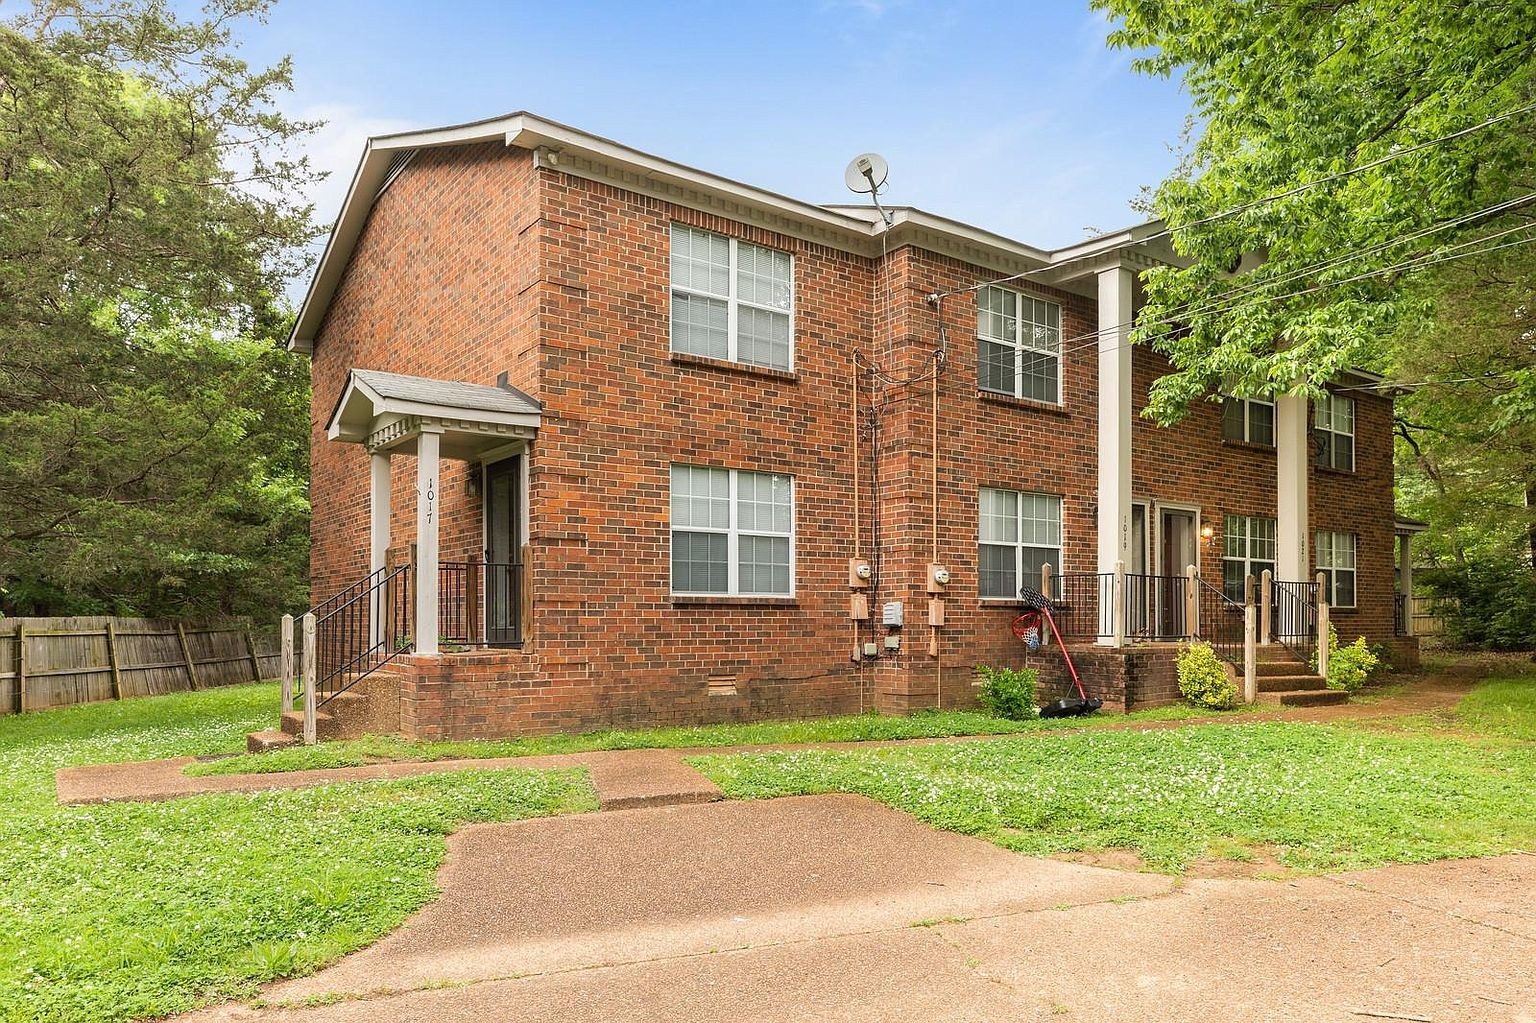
1254	204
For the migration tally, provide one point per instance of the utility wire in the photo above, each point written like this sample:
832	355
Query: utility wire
1254	204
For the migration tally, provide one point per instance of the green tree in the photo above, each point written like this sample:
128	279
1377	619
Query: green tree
1349	112
155	431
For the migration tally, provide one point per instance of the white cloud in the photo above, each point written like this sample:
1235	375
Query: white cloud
336	147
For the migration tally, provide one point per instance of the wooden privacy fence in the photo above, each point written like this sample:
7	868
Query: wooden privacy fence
54	662
1428	615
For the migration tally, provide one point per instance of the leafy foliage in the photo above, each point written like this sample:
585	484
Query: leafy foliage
1009	692
156	432
1490	601
1203	679
1350	667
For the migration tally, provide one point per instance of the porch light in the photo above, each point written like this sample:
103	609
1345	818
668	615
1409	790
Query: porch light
1207	532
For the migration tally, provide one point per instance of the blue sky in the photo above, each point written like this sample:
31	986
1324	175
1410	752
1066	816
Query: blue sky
1012	116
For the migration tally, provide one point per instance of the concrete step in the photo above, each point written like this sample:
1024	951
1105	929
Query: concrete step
1306	698
326	725
264	742
1290	683
1269	666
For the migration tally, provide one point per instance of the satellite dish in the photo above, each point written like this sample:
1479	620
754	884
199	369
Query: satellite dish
866	174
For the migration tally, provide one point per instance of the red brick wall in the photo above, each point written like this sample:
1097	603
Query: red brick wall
474	262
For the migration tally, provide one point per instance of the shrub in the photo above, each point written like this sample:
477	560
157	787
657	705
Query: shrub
1203	679
1348	666
1008	692
1488	602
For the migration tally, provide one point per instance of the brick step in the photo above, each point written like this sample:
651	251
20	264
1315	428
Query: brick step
1306	698
1265	666
264	742
1290	683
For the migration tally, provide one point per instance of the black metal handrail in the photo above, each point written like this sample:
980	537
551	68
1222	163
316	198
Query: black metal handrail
1293	617
1155	607
1399	614
364	628
348	592
1085	602
1220	623
479	603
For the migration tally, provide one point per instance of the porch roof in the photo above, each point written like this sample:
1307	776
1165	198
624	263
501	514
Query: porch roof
388	411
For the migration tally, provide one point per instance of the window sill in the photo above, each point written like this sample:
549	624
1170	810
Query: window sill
1328	470
1013	401
705	362
1248	445
724	600
1343	610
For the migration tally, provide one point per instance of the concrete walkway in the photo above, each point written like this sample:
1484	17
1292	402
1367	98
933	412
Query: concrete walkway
838	908
632	778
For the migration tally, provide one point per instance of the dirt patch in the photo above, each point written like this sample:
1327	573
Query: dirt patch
1256	863
1109	859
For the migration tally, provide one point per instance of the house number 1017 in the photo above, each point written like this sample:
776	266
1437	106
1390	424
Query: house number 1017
431	498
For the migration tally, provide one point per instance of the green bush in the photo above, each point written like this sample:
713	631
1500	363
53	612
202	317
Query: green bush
1488	602
1008	692
1348	666
1203	679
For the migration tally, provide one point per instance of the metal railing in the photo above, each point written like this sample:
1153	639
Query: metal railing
361	629
1399	614
1155	607
1220	623
479	603
1293	622
1085	604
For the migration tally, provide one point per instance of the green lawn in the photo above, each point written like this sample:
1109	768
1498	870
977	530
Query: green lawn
122	911
373	749
1318	797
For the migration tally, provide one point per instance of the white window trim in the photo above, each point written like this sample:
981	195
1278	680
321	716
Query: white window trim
1019	545
1247	403
733	534
1332	572
1248	560
1330	428
1019	347
733	303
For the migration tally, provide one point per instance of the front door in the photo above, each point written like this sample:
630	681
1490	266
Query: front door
503	553
1177	550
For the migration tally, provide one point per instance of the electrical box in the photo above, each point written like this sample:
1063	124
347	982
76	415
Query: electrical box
859	573
890	615
938	578
936	613
892	643
858	607
871	650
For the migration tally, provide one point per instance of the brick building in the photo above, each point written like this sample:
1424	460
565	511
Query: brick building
645	420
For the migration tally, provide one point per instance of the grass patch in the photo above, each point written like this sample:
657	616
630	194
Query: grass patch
124	911
373	749
1321	797
1504	707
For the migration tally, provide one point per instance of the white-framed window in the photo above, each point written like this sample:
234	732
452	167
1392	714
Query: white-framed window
1251	420
1019	532
1018	345
731	299
1248	548
733	532
1333	427
1336	560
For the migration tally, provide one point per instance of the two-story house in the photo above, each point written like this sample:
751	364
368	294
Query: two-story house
601	439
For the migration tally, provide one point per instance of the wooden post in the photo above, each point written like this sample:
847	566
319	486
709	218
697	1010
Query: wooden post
391	633
1323	630
186	653
21	668
250	647
1045	589
309	680
286	661
1266	611
1117	608
525	595
1191	602
474	568
1250	654
411	578
117	675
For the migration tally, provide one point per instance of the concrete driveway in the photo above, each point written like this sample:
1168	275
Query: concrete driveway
837	908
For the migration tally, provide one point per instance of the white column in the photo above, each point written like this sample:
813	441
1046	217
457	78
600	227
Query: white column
1293	448
378	510
1114	498
428	498
1405	579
